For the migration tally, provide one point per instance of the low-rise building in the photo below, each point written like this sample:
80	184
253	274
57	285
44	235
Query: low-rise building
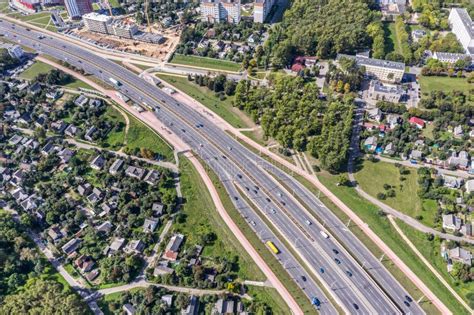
172	249
383	70
460	255
389	93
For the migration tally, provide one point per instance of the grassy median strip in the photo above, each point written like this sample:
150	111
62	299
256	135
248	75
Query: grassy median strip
293	252
272	262
208	98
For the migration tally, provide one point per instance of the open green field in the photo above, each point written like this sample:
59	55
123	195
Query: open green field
206	97
406	199
3	6
204	62
382	227
431	251
434	83
141	136
114	139
42	68
37	68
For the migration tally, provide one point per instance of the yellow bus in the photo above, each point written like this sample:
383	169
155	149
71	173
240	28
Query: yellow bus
273	247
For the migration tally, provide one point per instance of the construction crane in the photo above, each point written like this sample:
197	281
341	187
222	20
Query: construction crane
147	17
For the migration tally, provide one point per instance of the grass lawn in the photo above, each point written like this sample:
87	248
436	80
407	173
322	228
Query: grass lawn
202	217
37	68
406	199
42	68
115	139
206	97
382	227
433	83
114	3
431	251
204	62
141	136
391	42
277	268
3	6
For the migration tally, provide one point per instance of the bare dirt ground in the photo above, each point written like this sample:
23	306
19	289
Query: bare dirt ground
133	46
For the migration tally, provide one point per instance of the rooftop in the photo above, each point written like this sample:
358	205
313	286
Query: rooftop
466	20
363	61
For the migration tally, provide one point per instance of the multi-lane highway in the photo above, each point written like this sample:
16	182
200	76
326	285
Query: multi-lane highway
244	173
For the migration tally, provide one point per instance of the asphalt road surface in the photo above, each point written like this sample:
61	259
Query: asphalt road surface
355	289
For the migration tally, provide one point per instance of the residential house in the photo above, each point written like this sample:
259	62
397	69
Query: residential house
81	100
457	131
162	269
84	263
375	114
370	144
460	255
469	186
35	88
95	196
135	172
466	229
116	245
71	246
193	306
90	133
416	155
418	122
135	246
460	160
157	209
92	275
114	169
168	299
152	177
104	227
451	222
71	130
128	309
65	155
149	225
55	233
98	163
172	249
451	181
84	189
59	126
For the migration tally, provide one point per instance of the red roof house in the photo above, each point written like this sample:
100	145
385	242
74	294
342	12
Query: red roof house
420	123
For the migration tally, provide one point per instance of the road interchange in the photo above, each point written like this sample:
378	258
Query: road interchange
243	168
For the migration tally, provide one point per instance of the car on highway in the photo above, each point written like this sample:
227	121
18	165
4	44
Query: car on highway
349	273
315	301
324	234
337	261
268	199
253	223
355	306
406	303
321	270
308	222
335	251
236	198
239	176
303	278
408	298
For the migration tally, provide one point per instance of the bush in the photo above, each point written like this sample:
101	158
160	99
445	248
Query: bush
419	217
381	196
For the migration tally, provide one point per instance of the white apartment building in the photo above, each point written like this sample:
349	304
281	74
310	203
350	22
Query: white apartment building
261	8
216	11
463	28
97	22
106	25
383	70
15	51
451	57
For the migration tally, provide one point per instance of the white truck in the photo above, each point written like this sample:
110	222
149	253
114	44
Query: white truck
115	82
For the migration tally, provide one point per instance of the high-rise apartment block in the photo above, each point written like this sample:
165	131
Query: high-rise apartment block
463	28
77	8
261	8
216	11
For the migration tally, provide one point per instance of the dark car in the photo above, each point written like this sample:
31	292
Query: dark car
355	306
406	303
335	251
337	261
408	298
303	278
349	273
